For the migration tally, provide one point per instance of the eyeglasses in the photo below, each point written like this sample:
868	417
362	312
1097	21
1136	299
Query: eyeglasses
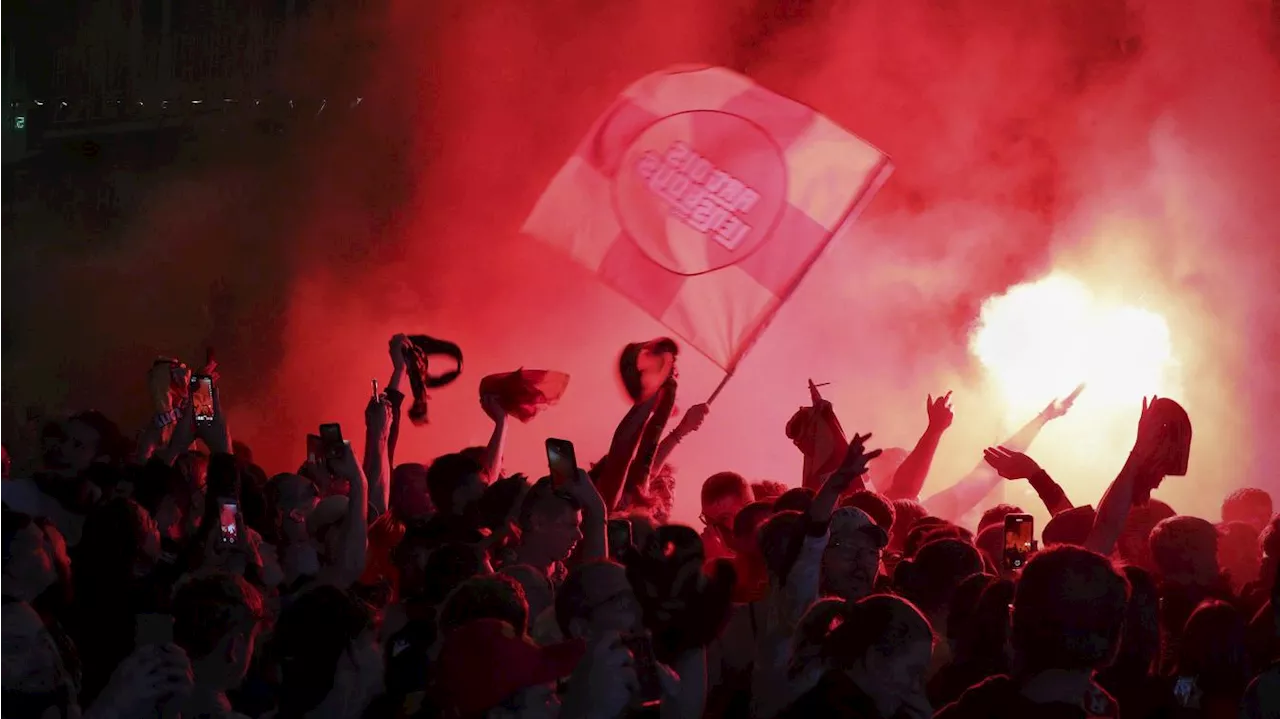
723	523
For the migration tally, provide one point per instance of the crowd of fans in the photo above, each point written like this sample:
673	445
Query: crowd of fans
170	576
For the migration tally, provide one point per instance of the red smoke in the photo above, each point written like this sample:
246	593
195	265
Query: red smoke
1135	147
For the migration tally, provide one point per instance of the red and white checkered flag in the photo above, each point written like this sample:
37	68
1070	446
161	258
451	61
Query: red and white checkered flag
704	198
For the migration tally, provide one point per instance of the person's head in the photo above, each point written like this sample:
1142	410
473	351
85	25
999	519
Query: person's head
408	498
990	543
963	604
930	578
550	523
290	493
723	496
880	471
1140	645
906	512
455	482
1068	611
851	561
1269	550
1071	527
597	597
493	596
502	501
488	669
996	515
71	446
931	529
1185	551
120	542
1249	505
34	551
537	588
447	567
326	645
1213	649
767	489
777	538
1238	552
877	506
885	644
746	525
1135	539
796	499
216	618
662	493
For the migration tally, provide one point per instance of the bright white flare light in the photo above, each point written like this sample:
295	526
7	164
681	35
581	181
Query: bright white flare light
1041	339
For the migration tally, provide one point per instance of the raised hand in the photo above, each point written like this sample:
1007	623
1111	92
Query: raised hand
940	414
854	464
397	346
1010	464
377	416
1059	407
492	406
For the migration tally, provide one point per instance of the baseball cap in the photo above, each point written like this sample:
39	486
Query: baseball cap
483	662
845	521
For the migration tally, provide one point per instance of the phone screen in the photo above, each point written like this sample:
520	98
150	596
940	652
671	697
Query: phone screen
562	461
228	526
152	630
641	648
1019	535
202	398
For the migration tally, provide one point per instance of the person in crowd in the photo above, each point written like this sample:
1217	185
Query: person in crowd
995	515
1249	505
1068	617
1262	697
906	512
328	661
1211	670
723	496
767	490
977	635
1185	552
851	562
1130	678
930	579
1135	541
877	506
492	596
1071	527
455	484
216	620
875	662
1238	554
553	520
796	499
748	562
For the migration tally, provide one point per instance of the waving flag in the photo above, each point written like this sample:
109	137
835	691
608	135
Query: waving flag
704	198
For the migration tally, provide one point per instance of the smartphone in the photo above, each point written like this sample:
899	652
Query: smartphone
620	536
152	630
202	398
641	648
562	461
315	449
228	521
1019	540
331	441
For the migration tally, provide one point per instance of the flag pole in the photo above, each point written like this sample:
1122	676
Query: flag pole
716	392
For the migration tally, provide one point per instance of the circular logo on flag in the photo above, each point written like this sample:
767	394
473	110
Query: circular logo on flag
700	190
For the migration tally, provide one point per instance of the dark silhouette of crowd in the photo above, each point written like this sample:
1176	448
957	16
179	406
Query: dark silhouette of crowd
168	575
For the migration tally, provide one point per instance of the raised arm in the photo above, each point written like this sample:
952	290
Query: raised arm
493	451
909	479
637	479
349	564
691	422
1143	469
396	348
1016	465
377	465
595	517
611	472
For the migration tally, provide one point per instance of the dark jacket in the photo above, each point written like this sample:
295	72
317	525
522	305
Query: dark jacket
999	698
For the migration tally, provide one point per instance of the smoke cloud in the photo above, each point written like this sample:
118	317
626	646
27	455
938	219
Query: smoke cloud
1135	146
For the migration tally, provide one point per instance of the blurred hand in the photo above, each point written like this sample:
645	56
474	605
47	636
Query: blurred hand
492	406
606	676
345	465
1059	407
939	410
377	416
584	492
184	429
215	434
150	676
1153	446
693	418
1010	464
853	466
397	346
